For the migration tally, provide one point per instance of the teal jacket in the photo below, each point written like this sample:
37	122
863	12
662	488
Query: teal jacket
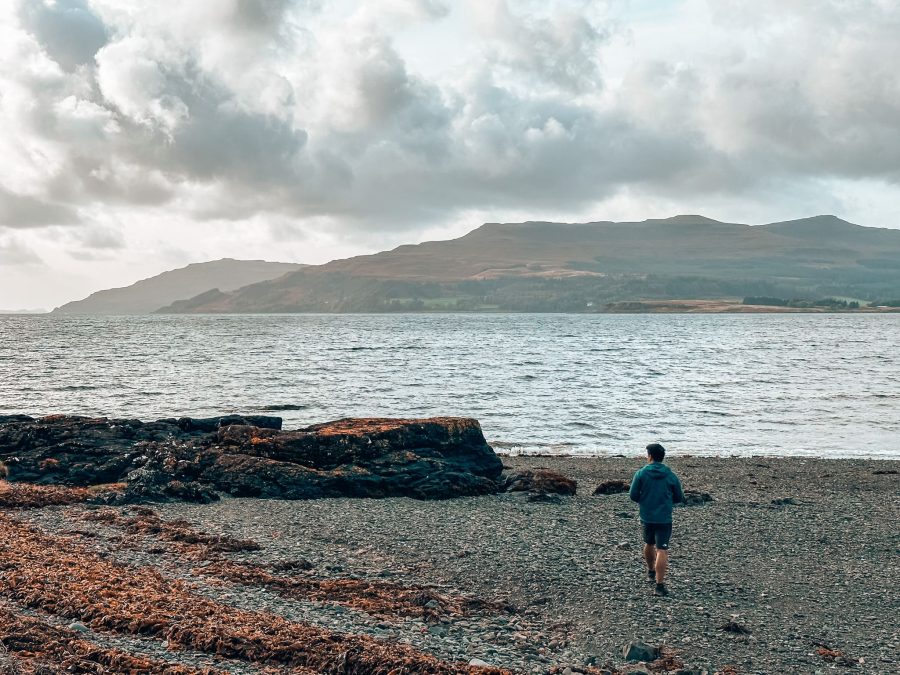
656	487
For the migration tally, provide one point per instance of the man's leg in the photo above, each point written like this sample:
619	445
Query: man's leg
663	533
662	565
649	549
650	557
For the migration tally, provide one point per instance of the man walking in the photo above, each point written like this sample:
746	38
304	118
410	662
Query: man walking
656	487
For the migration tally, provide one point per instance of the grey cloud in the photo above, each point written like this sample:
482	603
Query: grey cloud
14	252
424	9
264	15
219	140
818	96
139	145
20	211
434	9
90	255
559	49
67	29
101	238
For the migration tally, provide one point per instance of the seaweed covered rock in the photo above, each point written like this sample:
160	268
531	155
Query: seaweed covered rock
542	481
426	459
193	459
82	451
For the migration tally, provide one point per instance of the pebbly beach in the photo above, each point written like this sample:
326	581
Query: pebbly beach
777	565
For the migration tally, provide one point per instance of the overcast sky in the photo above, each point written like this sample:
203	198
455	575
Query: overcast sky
141	135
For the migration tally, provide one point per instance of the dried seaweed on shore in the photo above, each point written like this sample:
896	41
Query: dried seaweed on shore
180	531
58	575
381	599
378	599
34	646
26	495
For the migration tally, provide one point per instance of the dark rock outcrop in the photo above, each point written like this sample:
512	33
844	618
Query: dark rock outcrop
542	481
193	459
82	451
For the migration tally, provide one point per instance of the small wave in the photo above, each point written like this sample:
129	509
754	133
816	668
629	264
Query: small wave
281	407
715	413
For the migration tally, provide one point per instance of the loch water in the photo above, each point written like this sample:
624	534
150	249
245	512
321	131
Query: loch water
779	384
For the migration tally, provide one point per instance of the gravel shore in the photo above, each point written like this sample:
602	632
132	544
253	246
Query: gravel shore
789	569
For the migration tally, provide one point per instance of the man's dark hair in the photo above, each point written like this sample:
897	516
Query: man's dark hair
656	451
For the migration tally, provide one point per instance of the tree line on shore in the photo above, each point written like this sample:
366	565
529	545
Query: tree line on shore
826	303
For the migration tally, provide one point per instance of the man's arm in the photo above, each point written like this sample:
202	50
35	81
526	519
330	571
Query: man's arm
635	491
677	492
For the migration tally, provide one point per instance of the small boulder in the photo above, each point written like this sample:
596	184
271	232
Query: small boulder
212	424
785	501
732	626
612	487
544	498
693	498
639	651
297	564
540	480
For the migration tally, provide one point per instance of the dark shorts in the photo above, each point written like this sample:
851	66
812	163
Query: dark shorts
657	534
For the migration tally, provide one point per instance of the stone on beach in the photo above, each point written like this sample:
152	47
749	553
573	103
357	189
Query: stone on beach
191	459
693	498
612	487
540	481
636	650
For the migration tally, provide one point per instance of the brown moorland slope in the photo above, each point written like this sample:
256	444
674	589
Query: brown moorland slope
601	261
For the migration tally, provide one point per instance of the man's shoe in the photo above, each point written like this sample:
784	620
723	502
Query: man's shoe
651	575
662	590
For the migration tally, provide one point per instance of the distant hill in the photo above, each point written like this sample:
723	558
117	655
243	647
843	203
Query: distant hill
150	294
544	266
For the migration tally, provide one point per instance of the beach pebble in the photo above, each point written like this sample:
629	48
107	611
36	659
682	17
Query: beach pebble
636	650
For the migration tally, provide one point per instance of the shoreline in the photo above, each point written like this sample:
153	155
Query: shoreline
639	456
792	550
718	306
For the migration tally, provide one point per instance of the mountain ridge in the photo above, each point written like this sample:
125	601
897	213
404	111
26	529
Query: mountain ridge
546	266
146	295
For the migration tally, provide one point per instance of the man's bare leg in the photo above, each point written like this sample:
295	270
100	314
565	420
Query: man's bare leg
662	565
650	556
